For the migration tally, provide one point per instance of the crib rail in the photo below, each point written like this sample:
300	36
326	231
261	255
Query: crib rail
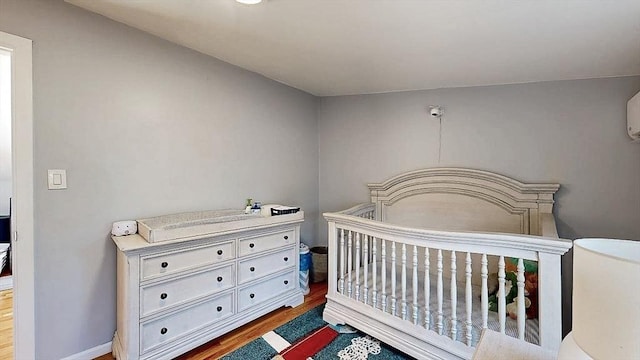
365	211
391	269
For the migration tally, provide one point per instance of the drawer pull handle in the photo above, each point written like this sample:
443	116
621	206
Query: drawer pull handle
252	245
164	264
163	331
286	282
286	258
252	295
219	278
286	237
163	296
219	308
252	268
219	252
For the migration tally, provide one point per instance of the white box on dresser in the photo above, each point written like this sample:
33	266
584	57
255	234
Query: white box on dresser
175	295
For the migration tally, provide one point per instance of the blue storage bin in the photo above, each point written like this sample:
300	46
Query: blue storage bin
305	265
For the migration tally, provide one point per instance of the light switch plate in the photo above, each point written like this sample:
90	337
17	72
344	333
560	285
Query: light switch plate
57	179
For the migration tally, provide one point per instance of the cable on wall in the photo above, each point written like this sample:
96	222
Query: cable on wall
436	111
440	140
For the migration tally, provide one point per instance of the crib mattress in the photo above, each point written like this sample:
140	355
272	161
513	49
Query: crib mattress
511	327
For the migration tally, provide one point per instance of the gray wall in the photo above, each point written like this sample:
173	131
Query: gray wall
570	132
144	127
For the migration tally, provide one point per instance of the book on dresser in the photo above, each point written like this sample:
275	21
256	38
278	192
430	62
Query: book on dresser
188	278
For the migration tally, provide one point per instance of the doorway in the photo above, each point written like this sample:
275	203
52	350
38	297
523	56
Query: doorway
17	52
6	280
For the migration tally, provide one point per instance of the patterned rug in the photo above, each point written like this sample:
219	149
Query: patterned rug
310	337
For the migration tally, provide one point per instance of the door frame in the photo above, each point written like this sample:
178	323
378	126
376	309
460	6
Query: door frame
22	208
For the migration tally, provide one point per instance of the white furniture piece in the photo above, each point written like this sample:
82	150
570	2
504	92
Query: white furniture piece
606	301
414	267
3	255
176	294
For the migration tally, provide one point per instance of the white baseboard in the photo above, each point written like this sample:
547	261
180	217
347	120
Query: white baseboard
91	353
6	282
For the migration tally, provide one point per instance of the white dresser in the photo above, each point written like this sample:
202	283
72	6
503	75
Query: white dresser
175	295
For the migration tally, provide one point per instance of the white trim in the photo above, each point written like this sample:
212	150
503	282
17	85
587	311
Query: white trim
6	282
22	219
92	353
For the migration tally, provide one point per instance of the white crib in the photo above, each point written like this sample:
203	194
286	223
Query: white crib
462	227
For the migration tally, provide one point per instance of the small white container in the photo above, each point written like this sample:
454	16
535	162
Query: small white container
123	228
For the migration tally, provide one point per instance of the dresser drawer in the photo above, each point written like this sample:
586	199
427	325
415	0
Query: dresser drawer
159	296
164	264
255	245
254	268
266	290
163	330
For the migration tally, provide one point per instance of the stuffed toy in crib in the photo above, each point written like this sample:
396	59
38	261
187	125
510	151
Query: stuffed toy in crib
511	288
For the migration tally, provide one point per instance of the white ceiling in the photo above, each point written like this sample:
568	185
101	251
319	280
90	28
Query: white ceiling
339	47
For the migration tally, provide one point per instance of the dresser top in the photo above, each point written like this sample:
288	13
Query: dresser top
201	230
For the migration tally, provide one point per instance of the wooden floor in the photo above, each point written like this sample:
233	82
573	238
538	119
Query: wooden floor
6	325
253	330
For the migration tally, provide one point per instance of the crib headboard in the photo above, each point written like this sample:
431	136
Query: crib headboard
459	199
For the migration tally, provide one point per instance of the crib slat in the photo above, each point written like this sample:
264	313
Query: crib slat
349	263
341	285
384	275
469	297
427	290
369	216
521	307
454	297
502	306
415	285
404	281
357	267
484	291
374	255
371	258
440	291
366	269
393	278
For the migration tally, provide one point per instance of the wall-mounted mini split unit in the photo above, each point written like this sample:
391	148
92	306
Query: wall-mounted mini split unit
633	117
